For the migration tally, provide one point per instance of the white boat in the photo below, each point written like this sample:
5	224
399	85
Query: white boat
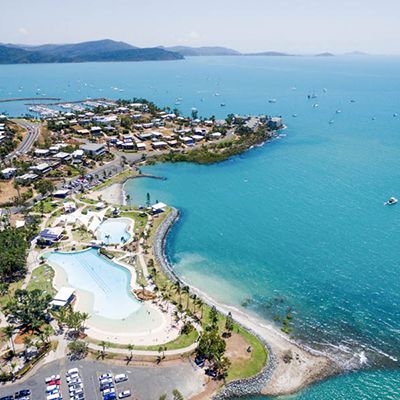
391	201
272	101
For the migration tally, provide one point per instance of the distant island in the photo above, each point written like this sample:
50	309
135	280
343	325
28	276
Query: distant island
110	50
100	50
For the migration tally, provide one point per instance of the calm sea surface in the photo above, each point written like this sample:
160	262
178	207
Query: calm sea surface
298	224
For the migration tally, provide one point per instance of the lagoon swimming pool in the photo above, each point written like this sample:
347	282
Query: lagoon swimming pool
114	231
103	289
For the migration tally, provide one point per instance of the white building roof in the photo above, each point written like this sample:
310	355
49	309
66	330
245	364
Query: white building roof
159	206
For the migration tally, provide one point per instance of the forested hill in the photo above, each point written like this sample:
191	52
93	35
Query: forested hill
100	50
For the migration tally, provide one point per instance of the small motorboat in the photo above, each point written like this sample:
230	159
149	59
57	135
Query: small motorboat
391	201
272	101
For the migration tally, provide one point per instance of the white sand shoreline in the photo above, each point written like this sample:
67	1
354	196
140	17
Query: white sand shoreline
304	366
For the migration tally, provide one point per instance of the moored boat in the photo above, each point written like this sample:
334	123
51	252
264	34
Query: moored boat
391	201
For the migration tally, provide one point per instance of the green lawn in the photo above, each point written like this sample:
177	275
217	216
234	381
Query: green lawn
13	287
259	356
48	206
42	278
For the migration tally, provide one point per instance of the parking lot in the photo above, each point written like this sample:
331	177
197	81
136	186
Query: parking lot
145	383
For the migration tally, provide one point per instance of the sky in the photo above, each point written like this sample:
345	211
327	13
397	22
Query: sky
295	26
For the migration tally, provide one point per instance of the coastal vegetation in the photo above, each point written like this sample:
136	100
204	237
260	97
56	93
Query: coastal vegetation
216	152
14	250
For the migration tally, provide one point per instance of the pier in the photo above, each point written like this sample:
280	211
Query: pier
28	99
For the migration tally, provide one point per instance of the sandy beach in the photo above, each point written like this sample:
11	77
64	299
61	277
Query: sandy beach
112	194
294	367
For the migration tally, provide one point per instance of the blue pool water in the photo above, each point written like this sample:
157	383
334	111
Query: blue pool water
114	231
108	282
298	223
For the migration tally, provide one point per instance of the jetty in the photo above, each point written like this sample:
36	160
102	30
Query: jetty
29	99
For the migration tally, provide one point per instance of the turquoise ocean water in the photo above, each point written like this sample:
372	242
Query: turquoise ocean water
298	224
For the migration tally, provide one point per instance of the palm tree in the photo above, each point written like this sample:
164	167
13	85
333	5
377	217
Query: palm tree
108	238
186	290
200	303
130	348
103	345
194	300
46	333
178	290
4	289
9	332
84	317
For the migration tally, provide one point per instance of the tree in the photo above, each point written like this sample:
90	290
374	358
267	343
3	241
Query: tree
163	397
229	323
4	288
195	113
104	345
178	290
148	201
194	300
9	333
200	304
213	316
186	290
13	250
44	186
130	348
211	345
222	366
78	348
46	333
84	317
60	316
28	308
177	395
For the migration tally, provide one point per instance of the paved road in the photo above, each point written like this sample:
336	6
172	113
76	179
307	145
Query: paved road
145	383
29	139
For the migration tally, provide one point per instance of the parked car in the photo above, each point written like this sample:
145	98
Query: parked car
73	371
7	398
120	378
105	376
124	394
52	378
22	393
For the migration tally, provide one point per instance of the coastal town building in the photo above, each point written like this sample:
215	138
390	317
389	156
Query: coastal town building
94	149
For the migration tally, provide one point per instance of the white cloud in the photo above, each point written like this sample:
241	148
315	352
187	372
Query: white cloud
22	31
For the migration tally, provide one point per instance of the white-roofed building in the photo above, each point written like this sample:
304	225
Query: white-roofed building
63	297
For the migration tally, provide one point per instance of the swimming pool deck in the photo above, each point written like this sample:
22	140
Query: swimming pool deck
98	328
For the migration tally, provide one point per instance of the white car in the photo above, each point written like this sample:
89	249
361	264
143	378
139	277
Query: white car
74	381
108	391
51	388
125	393
52	378
106	380
72	377
75	387
120	378
105	376
73	371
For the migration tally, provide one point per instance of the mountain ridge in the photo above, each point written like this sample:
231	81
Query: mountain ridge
99	50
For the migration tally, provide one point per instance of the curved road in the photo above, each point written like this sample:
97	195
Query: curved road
29	140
